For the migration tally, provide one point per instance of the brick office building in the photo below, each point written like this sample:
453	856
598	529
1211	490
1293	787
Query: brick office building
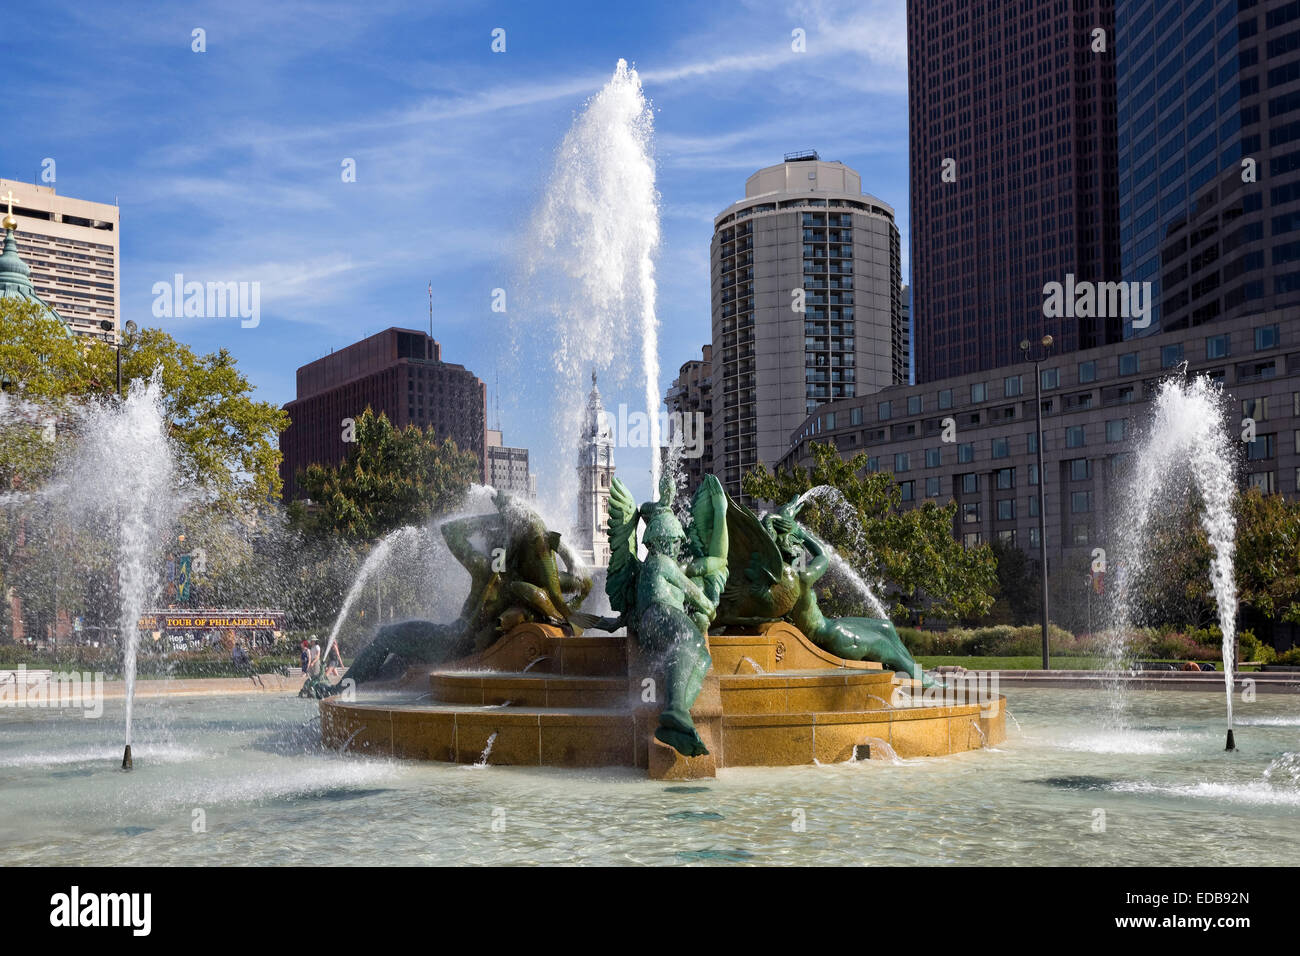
399	372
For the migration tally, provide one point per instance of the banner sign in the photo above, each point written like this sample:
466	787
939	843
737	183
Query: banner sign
210	620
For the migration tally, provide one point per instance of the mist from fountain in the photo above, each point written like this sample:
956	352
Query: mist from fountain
589	292
123	475
847	516
1184	451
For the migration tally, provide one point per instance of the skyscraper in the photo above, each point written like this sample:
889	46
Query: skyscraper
1209	147
1013	175
806	281
399	372
71	246
690	407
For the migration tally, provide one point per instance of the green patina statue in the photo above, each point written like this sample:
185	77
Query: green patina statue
669	599
778	583
514	580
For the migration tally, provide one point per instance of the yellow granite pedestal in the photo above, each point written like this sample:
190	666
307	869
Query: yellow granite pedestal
543	698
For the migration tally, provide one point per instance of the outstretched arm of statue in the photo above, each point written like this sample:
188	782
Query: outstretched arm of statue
457	534
820	562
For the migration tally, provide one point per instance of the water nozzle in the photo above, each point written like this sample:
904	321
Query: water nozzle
128	765
1232	744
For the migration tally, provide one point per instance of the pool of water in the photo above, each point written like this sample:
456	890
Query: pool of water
243	780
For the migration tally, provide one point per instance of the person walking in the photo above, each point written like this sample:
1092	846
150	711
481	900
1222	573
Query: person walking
306	656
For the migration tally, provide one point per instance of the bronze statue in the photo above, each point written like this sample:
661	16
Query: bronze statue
778	583
514	581
669	599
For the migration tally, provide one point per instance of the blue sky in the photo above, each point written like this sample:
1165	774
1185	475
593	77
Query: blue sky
226	164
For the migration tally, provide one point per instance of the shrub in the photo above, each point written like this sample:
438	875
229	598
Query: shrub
1290	658
1252	648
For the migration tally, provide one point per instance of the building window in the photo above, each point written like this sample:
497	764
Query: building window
1033	537
1128	363
970	512
932	487
1116	429
1033	507
945	398
978	392
883	411
933	457
965	453
830	420
1088	371
908	489
1008	537
1266	337
914	404
1032	443
1216	347
855	416
970	483
1263	448
873	463
1075	437
1171	355
1265	481
1080	502
1079	534
971	539
1255	408
1007	509
1033	474
1012	386
902	462
1050	378
1080	469
1001	448
1006	477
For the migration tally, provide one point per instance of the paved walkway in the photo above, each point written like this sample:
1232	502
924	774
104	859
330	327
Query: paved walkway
1278	682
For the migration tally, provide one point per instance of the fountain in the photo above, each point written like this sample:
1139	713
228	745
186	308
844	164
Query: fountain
1184	448
122	481
589	277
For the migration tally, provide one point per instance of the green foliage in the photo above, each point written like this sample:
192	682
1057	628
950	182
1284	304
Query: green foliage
1253	649
999	640
227	442
1290	658
926	571
390	478
1267	561
39	357
1019	592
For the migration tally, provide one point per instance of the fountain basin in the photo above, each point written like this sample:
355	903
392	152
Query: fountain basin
583	703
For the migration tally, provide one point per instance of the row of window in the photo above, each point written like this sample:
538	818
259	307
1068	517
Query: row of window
1216	347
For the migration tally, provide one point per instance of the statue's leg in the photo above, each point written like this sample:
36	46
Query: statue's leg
670	631
421	642
869	639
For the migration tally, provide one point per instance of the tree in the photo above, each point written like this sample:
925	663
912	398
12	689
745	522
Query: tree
1267	563
1020	598
39	358
390	478
925	570
228	443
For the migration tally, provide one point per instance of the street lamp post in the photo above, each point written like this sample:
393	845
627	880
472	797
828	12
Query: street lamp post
1042	483
130	328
